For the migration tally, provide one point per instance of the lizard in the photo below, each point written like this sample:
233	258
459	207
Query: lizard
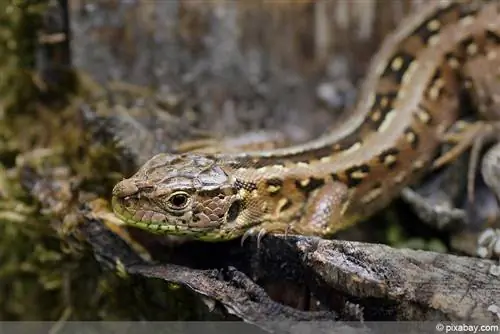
410	97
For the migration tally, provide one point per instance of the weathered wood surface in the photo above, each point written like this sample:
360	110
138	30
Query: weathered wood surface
383	283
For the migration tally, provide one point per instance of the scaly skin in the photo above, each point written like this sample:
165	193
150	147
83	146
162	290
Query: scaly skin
191	192
409	99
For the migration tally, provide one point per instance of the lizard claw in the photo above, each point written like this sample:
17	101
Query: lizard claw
254	231
246	235
261	234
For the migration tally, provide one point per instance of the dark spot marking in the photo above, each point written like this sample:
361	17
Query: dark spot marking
468	9
335	177
313	183
411	137
465	44
397	74
352	175
240	184
382	105
423	30
389	157
490	35
424	114
432	86
274	186
437	74
275	182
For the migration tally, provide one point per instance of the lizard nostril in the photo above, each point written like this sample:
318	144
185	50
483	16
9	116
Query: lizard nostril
125	188
128	202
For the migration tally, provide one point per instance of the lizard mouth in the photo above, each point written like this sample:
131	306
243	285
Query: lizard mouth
161	226
139	218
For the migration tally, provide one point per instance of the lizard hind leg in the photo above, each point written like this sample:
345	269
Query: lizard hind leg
462	136
487	161
474	136
483	85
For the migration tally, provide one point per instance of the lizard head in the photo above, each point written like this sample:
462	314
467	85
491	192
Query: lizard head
186	195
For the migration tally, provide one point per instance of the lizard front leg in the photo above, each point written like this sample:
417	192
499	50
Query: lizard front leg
323	211
436	202
321	214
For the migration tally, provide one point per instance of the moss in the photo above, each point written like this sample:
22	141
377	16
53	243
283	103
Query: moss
47	273
19	22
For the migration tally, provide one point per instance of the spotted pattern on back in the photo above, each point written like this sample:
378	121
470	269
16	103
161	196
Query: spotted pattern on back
398	65
309	184
389	157
356	174
382	105
273	186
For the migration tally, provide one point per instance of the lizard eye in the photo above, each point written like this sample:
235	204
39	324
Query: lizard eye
178	200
